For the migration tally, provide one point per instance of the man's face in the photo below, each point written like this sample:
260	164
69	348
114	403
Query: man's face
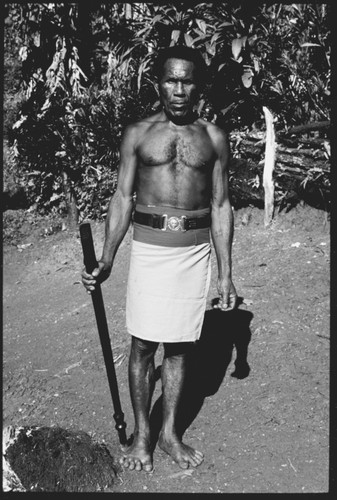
178	88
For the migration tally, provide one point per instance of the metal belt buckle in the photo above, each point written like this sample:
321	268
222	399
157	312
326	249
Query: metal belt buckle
164	220
174	223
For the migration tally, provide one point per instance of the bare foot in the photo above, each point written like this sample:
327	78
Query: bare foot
181	453
137	456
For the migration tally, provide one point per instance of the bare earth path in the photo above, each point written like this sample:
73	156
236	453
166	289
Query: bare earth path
265	430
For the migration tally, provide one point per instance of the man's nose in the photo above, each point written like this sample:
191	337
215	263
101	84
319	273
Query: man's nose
179	90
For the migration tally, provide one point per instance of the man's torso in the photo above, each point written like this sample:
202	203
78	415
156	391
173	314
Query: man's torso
175	164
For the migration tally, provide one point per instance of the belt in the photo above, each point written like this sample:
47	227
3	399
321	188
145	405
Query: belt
174	223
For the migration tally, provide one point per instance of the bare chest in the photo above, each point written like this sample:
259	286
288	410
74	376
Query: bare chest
190	149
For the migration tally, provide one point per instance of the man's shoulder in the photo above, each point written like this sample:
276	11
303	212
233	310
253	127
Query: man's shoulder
214	131
216	134
141	126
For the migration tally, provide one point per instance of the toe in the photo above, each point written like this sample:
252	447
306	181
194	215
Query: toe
147	467
193	462
195	459
132	465
183	464
138	465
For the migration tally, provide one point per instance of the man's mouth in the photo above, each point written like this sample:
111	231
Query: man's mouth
179	105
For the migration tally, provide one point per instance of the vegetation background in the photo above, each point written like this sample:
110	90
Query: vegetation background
76	73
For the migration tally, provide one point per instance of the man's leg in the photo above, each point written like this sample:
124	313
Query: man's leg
173	377
141	380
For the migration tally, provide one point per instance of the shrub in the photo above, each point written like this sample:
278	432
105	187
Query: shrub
79	135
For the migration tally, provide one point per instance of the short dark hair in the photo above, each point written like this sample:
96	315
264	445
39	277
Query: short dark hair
181	52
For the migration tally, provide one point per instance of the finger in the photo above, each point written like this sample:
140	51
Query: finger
233	300
88	282
230	308
229	303
232	303
96	272
86	275
221	305
224	301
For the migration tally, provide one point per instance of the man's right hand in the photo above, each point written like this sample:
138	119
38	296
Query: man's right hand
98	275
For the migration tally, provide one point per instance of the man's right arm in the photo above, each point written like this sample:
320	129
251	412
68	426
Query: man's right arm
119	211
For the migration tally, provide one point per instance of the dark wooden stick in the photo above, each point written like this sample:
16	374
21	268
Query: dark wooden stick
90	263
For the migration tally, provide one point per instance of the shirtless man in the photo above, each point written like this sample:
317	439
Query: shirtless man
176	165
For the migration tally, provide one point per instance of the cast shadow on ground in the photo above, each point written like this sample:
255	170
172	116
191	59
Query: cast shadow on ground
222	332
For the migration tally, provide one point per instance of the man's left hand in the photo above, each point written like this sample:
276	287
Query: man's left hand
228	296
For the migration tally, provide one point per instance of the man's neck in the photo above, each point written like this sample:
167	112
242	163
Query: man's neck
189	119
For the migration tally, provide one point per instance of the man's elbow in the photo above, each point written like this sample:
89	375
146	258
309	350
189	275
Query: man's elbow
221	205
122	196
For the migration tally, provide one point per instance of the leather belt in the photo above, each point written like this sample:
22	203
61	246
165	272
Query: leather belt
173	223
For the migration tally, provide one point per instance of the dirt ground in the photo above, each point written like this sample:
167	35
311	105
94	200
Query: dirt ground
263	424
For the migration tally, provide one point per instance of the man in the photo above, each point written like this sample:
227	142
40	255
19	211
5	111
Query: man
176	165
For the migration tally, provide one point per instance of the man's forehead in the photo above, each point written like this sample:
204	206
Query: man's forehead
177	66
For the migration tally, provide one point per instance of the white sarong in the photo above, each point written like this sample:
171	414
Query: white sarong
167	291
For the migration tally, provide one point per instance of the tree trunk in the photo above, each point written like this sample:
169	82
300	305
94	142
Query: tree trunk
269	163
128	11
84	31
72	211
308	127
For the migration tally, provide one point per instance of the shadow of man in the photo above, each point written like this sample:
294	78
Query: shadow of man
207	364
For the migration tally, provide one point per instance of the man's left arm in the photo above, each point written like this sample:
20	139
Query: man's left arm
222	226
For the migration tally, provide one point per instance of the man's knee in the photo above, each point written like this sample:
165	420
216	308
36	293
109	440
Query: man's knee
143	348
178	349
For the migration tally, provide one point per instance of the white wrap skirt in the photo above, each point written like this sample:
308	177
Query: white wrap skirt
167	291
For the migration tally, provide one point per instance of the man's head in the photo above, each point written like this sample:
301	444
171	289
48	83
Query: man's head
185	53
180	73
